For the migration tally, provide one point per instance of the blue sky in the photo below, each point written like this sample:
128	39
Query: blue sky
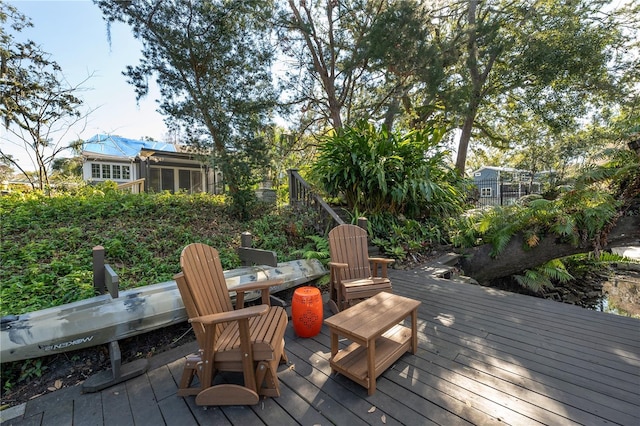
75	34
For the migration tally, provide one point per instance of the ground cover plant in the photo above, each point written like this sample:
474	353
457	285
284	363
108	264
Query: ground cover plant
46	242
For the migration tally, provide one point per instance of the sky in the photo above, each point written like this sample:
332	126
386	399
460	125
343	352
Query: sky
75	35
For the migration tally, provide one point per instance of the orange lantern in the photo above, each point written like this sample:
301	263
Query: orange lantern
306	311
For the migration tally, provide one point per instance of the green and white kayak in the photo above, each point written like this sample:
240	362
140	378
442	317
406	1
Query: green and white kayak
103	319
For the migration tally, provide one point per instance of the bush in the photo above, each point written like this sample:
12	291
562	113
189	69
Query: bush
379	171
46	243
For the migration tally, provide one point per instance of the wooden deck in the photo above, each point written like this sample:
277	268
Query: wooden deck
485	357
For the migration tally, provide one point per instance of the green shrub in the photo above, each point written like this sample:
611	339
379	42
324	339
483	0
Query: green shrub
46	242
380	171
399	237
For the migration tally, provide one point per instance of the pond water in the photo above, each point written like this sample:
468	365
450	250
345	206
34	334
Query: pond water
622	294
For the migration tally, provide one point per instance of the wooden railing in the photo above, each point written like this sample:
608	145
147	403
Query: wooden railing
135	186
300	193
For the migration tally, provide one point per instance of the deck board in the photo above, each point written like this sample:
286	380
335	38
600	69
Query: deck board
116	406
523	338
87	411
143	402
59	414
210	416
484	357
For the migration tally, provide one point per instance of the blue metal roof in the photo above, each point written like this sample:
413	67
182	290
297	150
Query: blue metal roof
118	146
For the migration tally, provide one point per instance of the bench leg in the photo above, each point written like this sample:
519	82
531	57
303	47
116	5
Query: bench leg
371	366
334	346
414	331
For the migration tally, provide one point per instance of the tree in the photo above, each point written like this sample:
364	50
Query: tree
313	36
406	49
492	69
37	103
211	60
550	60
341	48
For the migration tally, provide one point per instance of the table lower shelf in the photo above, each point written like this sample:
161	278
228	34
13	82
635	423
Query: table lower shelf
352	360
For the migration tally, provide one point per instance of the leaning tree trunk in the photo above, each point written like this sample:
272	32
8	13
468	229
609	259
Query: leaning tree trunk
478	264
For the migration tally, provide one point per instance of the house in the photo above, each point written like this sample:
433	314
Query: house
504	185
161	166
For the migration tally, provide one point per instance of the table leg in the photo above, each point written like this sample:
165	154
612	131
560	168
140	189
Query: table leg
371	366
334	346
414	331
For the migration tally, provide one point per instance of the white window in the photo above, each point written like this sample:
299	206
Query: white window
485	192
106	171
100	171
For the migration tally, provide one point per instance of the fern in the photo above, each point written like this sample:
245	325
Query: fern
574	216
532	238
534	281
500	241
610	258
564	226
541	278
317	249
556	270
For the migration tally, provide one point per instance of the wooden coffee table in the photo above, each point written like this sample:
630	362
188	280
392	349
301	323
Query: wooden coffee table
378	338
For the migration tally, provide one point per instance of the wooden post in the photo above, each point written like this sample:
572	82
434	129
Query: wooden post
250	256
363	223
98	269
112	281
245	239
293	187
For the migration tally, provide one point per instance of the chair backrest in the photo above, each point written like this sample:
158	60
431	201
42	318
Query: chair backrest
203	290
349	244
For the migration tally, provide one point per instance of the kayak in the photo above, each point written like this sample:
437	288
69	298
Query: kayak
103	319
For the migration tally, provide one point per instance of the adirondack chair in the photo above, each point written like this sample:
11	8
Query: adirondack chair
353	274
248	340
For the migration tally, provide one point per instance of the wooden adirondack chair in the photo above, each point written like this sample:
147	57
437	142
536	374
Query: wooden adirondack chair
248	340
354	275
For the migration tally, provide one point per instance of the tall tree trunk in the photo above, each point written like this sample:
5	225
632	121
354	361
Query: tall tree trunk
478	78
325	67
463	144
476	83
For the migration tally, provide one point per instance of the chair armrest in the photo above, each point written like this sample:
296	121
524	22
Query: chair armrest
338	265
263	286
383	262
257	285
251	311
335	272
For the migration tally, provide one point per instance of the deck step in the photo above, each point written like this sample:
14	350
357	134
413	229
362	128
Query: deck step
444	266
449	259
